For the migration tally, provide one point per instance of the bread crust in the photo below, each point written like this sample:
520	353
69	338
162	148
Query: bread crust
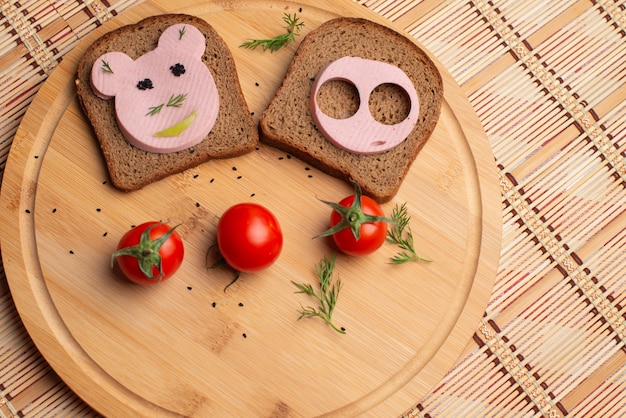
131	168
288	124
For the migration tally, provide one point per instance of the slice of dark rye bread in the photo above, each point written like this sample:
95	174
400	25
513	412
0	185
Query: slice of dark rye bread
131	168
288	124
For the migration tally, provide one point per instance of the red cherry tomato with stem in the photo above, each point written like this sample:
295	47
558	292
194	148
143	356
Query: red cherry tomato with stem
149	253
357	224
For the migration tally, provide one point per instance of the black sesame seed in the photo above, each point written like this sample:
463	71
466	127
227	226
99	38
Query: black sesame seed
234	168
244	335
36	156
27	211
98	210
195	176
105	234
197	204
239	177
54	210
71	252
240	304
212	180
214	304
257	84
189	287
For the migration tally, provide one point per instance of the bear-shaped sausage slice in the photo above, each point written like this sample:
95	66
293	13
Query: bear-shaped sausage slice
166	100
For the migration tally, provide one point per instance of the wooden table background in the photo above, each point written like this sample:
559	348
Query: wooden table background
548	82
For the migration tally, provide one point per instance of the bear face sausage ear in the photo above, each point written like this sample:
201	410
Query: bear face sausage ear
109	74
183	38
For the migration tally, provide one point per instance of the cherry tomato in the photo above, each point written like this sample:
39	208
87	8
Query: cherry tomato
357	224
249	237
149	253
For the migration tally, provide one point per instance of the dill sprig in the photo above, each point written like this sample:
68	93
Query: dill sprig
273	44
181	33
174	101
396	235
106	67
154	110
327	296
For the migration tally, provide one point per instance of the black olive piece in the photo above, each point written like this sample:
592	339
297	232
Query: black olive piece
177	69
145	84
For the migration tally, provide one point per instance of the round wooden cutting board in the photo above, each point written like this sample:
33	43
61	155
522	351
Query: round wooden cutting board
186	346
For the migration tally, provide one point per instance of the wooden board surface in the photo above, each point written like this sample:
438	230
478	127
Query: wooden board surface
167	350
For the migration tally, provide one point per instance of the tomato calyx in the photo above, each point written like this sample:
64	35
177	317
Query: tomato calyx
352	217
214	254
147	252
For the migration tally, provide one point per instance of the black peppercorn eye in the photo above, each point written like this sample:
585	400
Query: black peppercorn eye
145	84
177	69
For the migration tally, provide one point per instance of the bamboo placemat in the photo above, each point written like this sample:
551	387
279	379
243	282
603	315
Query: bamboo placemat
548	82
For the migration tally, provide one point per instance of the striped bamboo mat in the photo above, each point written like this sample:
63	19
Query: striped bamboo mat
548	82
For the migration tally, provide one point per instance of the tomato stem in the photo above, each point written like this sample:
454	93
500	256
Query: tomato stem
237	274
351	217
146	252
214	252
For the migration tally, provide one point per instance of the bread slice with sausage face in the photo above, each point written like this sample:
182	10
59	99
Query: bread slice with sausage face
288	121
130	167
